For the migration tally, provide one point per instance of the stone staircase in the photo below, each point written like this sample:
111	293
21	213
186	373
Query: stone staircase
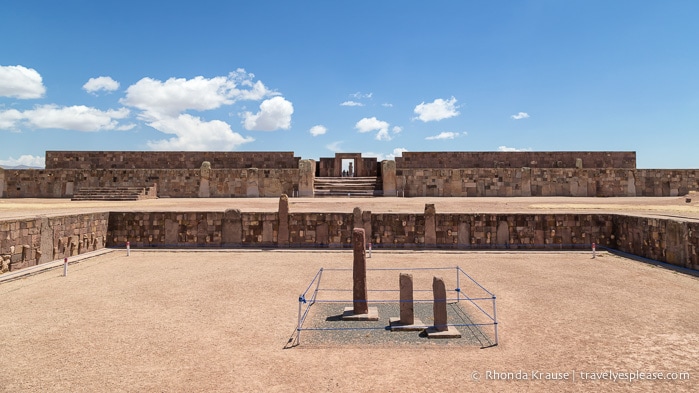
348	186
114	193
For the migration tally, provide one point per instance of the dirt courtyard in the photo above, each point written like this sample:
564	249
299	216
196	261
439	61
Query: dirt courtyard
219	321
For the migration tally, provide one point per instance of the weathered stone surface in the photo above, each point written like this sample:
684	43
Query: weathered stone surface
205	174
388	176
232	228
252	189
430	225
440	304
283	234
359	289
307	173
407	314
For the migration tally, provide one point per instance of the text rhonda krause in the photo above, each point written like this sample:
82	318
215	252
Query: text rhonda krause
608	375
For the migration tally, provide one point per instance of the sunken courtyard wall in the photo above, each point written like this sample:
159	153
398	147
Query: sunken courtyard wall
33	241
530	159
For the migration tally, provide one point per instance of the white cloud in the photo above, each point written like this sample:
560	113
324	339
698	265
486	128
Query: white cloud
510	149
20	82
274	114
359	95
334	146
397	152
373	124
176	95
397	129
192	133
443	135
438	109
351	103
318	130
9	119
105	83
77	118
25	160
387	105
520	115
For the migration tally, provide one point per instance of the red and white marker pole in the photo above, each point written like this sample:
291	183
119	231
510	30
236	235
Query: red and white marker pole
369	250
65	267
594	246
128	249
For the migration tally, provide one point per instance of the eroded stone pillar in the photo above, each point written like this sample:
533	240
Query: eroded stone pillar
359	290
252	189
283	231
407	314
307	174
205	176
232	228
388	176
430	225
441	328
360	309
440	304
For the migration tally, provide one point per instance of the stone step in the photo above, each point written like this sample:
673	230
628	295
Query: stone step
347	186
116	193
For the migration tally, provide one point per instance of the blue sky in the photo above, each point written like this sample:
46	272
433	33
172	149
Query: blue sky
375	77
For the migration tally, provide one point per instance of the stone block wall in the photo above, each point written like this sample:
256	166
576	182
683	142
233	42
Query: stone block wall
168	159
556	159
517	182
34	241
666	240
175	183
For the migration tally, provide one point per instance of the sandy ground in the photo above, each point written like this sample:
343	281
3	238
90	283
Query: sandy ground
220	321
647	206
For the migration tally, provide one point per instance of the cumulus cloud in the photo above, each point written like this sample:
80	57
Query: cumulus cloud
520	115
436	110
370	124
397	152
351	103
102	83
443	135
193	133
318	130
176	95
505	148
387	105
25	160
20	82
274	114
77	118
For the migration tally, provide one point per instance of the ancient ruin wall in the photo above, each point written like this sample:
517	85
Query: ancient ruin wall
34	241
175	183
459	159
517	182
168	160
671	241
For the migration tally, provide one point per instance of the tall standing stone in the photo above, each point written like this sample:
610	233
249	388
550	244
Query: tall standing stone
283	231
205	172
430	225
388	176
359	272
360	310
232	228
307	175
252	189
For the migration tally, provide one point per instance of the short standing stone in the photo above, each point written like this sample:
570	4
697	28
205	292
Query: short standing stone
283	233
440	304
407	315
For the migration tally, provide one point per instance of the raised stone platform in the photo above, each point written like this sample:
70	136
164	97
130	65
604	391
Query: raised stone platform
114	193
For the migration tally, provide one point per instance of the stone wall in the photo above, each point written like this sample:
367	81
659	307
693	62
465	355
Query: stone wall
516	182
666	240
33	241
169	160
175	183
458	159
